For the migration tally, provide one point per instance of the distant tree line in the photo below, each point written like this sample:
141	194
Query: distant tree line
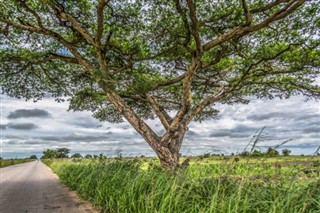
57	153
271	152
63	153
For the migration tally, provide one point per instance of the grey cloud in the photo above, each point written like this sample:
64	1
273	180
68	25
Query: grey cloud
22	142
317	123
72	138
221	134
37	142
116	144
240	131
308	117
229	134
127	127
268	116
243	128
12	142
290	146
87	123
27	113
296	115
3	126
22	126
314	129
191	133
20	137
161	132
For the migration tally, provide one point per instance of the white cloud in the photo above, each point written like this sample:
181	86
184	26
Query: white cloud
78	131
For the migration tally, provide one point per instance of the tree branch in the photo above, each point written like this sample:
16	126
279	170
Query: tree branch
100	14
60	13
185	24
160	112
207	101
267	6
247	13
167	83
43	31
37	17
140	126
195	25
174	45
241	31
64	58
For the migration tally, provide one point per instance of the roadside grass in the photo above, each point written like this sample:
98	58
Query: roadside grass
9	162
207	185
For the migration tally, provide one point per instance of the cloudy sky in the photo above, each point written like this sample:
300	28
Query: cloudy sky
30	128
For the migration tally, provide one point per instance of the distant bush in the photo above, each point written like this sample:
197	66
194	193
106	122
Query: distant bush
9	162
257	153
286	152
76	155
244	153
57	153
272	152
33	157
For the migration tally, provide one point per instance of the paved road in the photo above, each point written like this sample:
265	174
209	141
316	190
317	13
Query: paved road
32	187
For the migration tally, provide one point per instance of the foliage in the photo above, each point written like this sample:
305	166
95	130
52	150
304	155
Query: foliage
76	155
58	153
33	157
244	153
221	185
286	152
145	59
257	153
9	162
88	156
272	152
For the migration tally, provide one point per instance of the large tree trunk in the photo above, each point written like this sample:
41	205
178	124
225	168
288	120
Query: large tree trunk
169	154
168	158
168	151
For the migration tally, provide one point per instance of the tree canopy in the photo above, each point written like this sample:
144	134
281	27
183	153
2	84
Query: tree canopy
144	59
56	153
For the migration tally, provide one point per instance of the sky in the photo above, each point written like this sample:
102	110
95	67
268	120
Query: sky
29	128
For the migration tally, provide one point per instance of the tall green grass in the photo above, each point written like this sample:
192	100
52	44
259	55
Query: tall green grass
9	162
122	186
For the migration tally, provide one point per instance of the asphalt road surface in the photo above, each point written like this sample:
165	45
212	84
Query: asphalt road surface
32	187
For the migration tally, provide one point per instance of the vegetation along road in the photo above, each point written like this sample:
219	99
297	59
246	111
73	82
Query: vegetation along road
32	187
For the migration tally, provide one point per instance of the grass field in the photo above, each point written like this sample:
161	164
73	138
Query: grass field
9	162
212	184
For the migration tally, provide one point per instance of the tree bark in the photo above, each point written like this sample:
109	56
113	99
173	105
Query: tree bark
169	154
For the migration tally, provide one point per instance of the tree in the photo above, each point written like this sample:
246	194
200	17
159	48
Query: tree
286	152
170	60
257	153
63	152
272	152
88	156
33	157
58	153
76	155
49	153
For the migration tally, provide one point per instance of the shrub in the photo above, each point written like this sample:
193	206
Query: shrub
272	152
286	152
257	153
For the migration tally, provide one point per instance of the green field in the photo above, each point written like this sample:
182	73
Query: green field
9	162
211	184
